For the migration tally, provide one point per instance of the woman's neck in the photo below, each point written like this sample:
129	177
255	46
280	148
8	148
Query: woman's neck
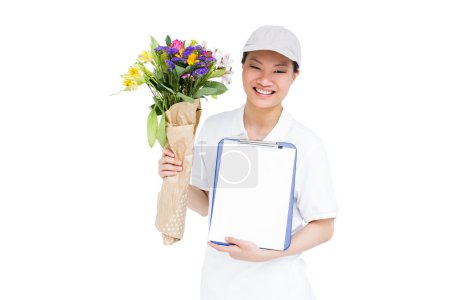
259	122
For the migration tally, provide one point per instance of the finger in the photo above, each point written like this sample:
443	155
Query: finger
233	240
167	174
228	249
217	247
170	160
170	167
168	152
166	170
243	244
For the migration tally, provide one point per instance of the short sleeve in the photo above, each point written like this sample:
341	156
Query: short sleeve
198	170
315	194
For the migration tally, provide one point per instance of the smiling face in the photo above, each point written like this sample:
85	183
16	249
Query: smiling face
267	77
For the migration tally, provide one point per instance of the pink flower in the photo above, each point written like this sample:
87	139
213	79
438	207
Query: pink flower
177	44
185	76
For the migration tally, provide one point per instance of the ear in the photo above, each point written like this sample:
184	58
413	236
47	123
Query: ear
294	76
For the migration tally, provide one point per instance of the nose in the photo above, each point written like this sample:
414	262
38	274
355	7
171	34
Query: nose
265	79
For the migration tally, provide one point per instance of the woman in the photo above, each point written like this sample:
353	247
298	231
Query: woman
270	65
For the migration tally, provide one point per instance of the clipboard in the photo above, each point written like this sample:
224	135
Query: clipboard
253	192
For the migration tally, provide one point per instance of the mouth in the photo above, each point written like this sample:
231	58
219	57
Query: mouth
263	92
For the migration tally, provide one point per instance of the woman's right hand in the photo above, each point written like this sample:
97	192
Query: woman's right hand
169	165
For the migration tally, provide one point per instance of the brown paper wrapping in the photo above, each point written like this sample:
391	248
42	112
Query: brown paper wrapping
181	124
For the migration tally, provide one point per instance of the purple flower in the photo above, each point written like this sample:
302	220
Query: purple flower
199	64
200	72
170	64
171	51
188	51
160	48
178	59
199	48
168	50
201	57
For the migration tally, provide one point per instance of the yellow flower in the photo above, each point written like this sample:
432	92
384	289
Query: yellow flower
192	59
130	84
145	57
134	72
180	53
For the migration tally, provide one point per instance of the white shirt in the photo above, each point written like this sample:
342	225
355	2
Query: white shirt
283	278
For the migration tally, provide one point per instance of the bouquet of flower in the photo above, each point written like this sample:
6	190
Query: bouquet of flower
178	75
179	72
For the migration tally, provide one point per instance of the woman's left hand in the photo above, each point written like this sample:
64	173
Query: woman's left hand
245	250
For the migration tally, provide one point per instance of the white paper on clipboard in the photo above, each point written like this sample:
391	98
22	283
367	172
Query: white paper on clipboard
253	192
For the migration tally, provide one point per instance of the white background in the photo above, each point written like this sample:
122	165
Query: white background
79	182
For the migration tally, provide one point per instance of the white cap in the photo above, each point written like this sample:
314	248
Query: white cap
275	38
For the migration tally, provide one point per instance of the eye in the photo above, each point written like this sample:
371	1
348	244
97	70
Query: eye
254	67
280	71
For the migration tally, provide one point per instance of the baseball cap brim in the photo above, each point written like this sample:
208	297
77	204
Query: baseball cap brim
280	50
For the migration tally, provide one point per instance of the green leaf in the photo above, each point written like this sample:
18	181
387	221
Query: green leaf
144	69
159	76
185	98
157	109
153	44
218	73
167	88
161	133
211	88
159	105
180	70
152	126
205	91
140	80
221	88
168	41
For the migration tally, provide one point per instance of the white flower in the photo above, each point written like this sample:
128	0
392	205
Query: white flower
222	60
226	78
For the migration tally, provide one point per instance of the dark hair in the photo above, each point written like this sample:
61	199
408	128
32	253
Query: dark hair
244	57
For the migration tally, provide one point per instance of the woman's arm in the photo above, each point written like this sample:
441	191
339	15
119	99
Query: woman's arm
169	165
313	234
198	200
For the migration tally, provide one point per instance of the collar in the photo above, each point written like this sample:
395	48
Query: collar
277	134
